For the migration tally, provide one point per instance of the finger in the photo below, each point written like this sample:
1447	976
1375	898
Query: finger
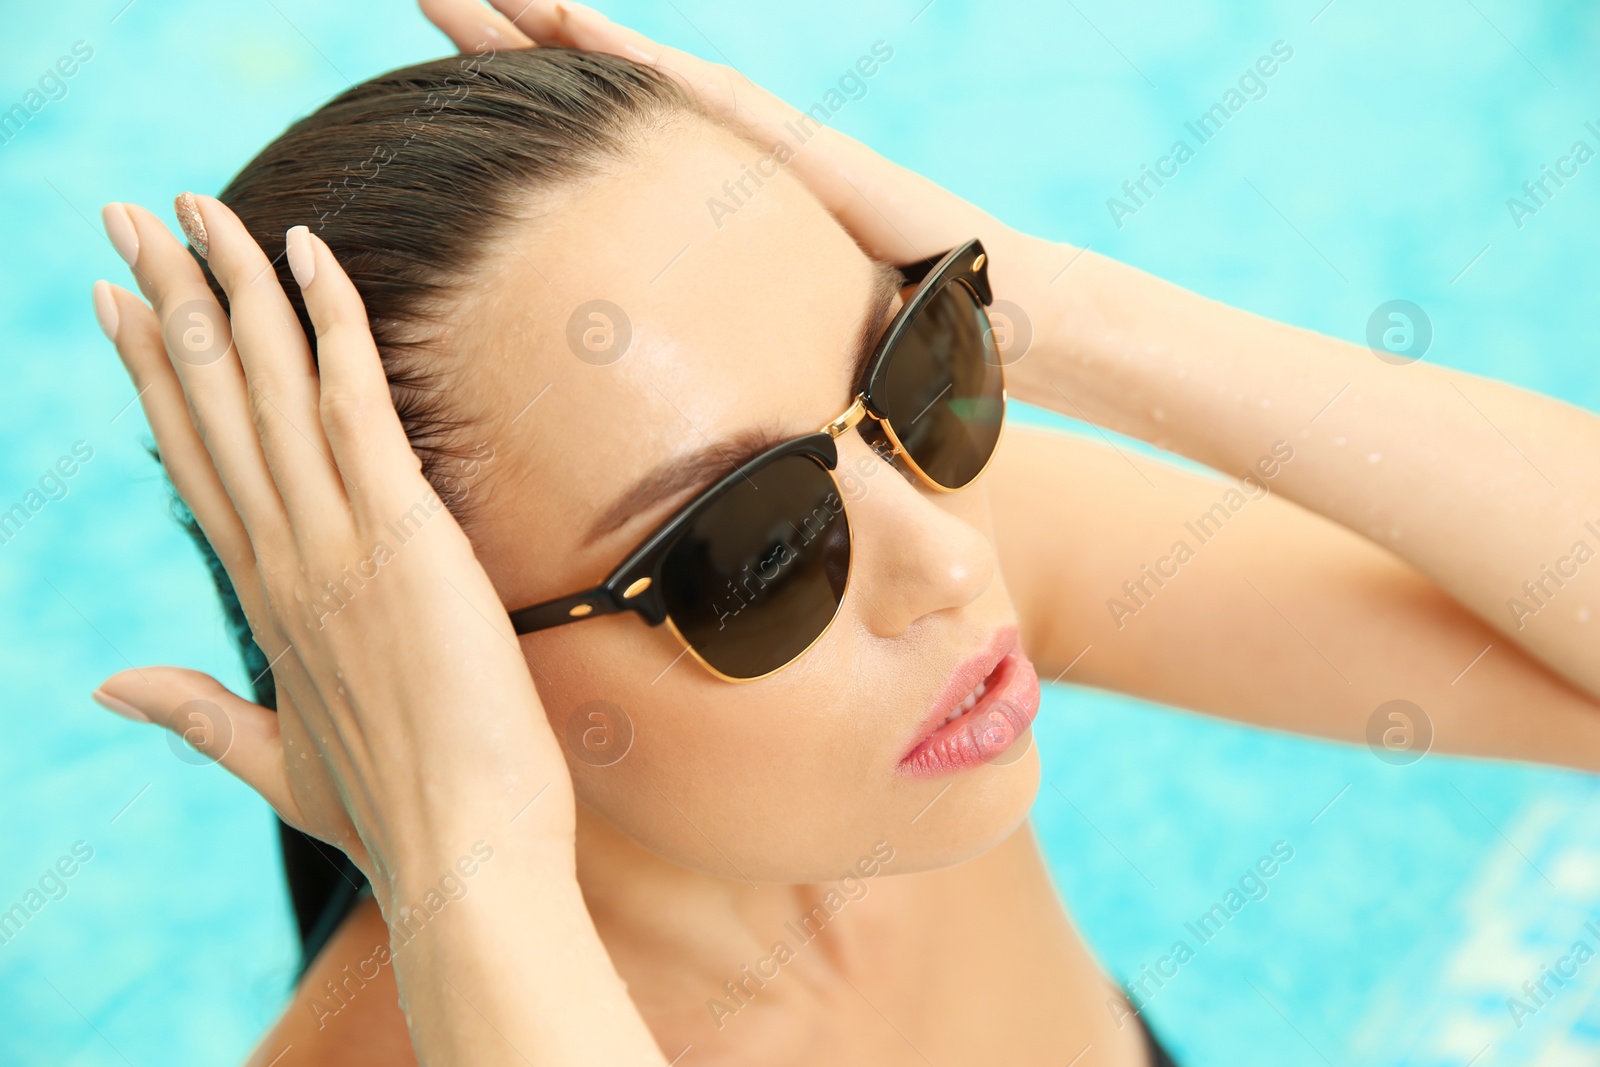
896	214
199	345
225	728
382	474
136	334
474	27
280	377
540	22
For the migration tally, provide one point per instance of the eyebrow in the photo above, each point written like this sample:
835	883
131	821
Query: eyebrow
700	467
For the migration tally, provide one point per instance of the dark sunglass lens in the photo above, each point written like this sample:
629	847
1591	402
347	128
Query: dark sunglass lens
942	391
761	572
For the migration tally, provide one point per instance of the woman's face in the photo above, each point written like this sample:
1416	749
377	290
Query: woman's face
741	321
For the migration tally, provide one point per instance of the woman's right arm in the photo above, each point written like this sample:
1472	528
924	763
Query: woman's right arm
408	731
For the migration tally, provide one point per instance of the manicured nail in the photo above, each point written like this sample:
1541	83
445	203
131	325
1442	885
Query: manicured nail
302	255
119	707
105	310
194	227
578	9
119	227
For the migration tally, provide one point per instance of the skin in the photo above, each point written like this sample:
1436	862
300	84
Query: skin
739	806
718	350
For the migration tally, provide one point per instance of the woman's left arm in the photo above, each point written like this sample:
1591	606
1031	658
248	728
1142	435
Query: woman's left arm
1490	491
1139	576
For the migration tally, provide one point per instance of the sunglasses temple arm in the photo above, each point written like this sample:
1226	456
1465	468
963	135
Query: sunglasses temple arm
564	609
915	272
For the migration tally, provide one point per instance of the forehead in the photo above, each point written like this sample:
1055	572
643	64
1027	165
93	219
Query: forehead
687	297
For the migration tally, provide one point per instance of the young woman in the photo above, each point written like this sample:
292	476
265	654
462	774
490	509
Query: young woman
655	608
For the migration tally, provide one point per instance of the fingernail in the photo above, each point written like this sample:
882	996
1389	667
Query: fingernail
118	707
194	227
119	227
105	310
576	8
302	256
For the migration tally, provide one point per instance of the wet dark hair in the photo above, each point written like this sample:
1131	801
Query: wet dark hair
408	177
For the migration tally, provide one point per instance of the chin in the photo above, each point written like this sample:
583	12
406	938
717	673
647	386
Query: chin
922	824
982	808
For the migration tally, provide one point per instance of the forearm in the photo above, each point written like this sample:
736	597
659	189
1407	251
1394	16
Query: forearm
1479	485
513	972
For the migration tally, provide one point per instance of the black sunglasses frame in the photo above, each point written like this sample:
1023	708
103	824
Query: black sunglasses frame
634	584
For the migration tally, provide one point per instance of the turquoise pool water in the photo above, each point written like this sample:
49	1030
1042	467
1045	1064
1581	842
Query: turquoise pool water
1375	164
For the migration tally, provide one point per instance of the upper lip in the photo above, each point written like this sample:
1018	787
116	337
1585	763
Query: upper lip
965	679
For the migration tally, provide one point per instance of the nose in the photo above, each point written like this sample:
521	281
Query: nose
914	552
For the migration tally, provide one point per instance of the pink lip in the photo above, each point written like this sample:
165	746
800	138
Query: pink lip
989	727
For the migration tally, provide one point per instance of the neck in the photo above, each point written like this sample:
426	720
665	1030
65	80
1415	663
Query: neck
735	969
676	919
713	962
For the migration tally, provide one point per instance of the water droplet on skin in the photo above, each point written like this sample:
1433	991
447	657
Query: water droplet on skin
1265	402
1339	441
1158	414
1374	457
1583	613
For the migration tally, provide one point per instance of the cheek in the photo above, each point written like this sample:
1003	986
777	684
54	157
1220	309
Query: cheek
785	779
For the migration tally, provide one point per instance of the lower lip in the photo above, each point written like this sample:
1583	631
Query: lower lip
992	725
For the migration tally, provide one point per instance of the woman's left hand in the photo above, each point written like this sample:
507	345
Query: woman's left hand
895	214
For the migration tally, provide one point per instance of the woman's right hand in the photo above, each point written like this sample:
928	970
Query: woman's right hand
407	724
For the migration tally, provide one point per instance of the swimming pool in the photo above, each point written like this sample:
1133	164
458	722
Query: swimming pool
1374	163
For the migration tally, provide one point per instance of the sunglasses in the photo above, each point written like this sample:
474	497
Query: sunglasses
751	573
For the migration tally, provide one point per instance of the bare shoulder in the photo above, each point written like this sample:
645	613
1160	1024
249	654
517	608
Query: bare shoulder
346	1010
